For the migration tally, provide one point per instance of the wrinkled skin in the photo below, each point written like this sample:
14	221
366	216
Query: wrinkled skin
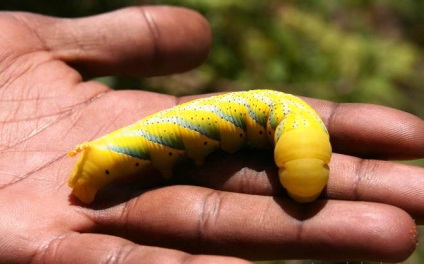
237	208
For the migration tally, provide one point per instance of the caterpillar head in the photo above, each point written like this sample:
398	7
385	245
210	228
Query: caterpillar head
96	168
304	179
302	156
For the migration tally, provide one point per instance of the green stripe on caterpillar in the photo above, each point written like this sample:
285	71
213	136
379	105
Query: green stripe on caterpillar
261	118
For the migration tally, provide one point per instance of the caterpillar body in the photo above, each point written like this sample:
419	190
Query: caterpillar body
262	118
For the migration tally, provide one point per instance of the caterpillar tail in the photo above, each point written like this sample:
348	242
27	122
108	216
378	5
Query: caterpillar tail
96	167
302	156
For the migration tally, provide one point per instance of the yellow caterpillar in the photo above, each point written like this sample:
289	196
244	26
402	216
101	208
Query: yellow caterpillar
261	118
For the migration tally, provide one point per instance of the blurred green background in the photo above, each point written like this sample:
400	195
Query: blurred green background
345	51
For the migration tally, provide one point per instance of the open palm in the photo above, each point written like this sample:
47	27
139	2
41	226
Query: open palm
236	208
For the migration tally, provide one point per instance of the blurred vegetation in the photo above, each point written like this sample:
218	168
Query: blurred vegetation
350	51
345	51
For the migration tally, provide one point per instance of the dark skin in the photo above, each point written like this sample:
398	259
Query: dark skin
237	208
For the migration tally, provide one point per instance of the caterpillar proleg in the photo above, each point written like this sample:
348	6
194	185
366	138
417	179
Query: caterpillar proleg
261	118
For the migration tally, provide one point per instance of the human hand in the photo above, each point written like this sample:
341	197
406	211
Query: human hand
47	109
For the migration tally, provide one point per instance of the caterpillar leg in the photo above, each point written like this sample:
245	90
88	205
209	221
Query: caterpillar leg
85	193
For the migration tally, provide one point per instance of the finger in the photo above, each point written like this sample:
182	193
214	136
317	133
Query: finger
248	171
351	178
93	248
197	219
378	181
372	131
149	40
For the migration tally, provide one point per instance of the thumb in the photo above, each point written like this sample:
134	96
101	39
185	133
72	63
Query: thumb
147	41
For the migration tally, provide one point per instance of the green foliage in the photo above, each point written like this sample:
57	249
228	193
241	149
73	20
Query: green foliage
327	49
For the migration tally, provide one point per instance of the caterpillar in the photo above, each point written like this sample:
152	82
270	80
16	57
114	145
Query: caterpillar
260	118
